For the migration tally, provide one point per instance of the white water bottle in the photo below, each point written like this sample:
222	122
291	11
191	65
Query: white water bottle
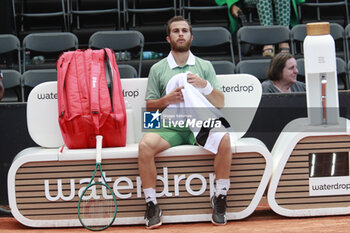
321	75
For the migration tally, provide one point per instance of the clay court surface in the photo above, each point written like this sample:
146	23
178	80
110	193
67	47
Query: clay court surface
262	220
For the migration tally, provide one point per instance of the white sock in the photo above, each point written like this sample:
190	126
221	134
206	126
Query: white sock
222	187
150	195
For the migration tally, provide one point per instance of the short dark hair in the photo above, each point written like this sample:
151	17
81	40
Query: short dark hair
277	64
176	19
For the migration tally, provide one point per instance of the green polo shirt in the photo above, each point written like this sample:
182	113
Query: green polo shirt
159	76
161	72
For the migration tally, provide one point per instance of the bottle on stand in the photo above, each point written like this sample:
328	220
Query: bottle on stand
320	74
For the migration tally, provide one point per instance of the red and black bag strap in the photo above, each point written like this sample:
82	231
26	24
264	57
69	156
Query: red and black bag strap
109	75
63	65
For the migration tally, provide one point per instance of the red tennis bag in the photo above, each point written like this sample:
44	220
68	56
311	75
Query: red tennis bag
90	99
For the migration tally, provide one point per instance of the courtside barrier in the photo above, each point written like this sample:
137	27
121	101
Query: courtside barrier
311	157
311	170
44	182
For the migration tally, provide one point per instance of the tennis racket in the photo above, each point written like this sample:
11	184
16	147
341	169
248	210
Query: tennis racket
97	207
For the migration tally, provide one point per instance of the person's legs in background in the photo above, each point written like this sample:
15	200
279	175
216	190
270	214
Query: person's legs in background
282	11
265	12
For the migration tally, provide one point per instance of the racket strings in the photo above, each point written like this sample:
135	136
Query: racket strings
97	206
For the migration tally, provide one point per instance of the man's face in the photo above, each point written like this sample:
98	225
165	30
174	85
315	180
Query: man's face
180	36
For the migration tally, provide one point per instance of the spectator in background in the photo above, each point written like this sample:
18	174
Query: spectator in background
282	74
284	16
234	8
2	89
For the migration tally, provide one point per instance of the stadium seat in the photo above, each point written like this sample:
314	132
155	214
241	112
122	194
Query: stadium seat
255	67
32	78
223	67
49	45
347	40
127	71
129	40
209	42
187	6
261	35
79	8
348	75
325	4
12	85
343	80
10	46
136	7
298	34
57	8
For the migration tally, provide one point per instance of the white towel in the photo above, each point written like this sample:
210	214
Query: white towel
196	108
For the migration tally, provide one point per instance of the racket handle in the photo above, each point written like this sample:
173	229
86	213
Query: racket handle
99	148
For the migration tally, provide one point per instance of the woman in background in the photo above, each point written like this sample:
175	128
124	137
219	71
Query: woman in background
282	74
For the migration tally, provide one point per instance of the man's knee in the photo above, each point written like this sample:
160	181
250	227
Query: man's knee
150	145
226	141
145	148
225	145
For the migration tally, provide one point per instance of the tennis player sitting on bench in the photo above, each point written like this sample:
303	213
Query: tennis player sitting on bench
181	60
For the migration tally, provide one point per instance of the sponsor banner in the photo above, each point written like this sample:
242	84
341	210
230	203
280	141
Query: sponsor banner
329	186
237	88
127	188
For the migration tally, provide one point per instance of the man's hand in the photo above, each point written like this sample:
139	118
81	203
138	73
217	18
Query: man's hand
215	97
175	96
196	81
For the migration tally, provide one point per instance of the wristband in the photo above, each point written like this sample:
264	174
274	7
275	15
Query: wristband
207	89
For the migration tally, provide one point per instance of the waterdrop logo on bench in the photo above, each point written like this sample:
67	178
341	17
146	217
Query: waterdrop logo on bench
151	120
131	93
238	88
